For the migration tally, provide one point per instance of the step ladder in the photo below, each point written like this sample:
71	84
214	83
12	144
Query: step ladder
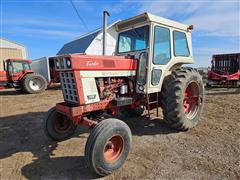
148	103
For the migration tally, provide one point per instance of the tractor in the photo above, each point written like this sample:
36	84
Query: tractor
17	74
146	72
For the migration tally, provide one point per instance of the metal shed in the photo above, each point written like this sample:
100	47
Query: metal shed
10	49
91	43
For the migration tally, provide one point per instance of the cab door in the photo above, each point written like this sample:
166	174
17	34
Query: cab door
159	58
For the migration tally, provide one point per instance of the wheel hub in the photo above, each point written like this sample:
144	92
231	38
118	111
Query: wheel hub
192	99
62	125
35	84
113	148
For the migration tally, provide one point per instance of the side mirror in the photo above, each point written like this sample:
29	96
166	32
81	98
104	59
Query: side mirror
142	68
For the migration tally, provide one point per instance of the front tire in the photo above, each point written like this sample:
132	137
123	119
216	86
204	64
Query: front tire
34	83
182	98
108	146
58	126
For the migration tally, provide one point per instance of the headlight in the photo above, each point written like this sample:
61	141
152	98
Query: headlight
141	88
68	63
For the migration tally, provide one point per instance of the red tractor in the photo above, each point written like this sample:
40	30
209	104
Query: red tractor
145	73
225	71
18	74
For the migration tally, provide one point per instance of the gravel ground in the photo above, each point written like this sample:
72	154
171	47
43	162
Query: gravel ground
209	151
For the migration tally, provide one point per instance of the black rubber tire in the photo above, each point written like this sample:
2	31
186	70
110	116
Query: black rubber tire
172	97
97	140
25	83
130	112
51	131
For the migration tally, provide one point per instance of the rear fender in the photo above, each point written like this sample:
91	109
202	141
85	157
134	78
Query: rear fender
24	73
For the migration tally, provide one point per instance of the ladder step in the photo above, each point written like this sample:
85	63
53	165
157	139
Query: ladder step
148	103
153	102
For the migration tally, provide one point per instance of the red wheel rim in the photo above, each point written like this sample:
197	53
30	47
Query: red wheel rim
62	124
113	148
192	99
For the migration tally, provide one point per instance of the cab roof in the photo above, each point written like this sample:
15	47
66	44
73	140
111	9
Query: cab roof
147	17
19	59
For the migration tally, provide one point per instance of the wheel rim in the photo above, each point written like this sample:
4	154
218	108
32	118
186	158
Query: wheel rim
113	148
62	125
192	100
35	84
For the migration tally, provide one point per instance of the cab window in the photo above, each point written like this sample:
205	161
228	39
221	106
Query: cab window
18	66
161	47
133	40
180	44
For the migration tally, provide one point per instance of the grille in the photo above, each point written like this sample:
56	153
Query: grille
69	87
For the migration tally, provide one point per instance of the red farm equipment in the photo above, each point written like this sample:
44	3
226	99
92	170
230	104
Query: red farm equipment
225	71
145	73
17	74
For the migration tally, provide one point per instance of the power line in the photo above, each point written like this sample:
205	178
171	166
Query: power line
79	16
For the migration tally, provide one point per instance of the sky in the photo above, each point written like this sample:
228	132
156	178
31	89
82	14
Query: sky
44	26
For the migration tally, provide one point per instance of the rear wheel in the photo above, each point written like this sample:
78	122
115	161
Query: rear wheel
58	126
182	98
108	146
34	83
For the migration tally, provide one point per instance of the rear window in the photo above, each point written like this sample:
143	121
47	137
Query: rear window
180	44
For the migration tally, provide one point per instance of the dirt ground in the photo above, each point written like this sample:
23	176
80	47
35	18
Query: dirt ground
209	151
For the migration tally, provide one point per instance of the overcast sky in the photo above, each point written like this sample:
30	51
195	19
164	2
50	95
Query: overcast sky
45	25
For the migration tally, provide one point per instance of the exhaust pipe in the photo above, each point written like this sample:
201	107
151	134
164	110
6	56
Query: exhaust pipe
105	15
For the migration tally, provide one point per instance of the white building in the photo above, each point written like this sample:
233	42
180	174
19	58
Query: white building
10	49
91	43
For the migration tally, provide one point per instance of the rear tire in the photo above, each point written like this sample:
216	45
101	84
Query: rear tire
182	98
33	83
108	146
58	126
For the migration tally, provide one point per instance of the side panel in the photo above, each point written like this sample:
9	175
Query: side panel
41	66
90	90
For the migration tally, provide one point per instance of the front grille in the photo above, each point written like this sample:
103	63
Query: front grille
69	87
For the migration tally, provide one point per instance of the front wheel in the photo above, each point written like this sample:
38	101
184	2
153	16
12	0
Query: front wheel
108	146
182	98
58	126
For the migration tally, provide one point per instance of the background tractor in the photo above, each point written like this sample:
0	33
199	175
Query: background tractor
17	74
145	73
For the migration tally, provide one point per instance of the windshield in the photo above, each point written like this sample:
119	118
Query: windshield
18	66
133	40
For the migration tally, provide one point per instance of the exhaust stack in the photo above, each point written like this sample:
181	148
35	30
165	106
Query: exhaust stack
105	15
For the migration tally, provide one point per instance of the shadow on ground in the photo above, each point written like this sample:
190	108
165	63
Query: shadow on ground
11	92
24	133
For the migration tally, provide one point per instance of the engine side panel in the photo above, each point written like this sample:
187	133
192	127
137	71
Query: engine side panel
90	90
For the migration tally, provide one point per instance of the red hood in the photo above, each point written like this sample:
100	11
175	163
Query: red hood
88	62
